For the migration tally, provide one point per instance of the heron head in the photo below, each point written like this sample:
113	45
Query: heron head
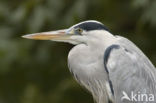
76	34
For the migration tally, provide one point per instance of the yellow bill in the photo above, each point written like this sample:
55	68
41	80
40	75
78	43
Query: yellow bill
52	35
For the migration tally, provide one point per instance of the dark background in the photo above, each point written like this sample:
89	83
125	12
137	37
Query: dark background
36	71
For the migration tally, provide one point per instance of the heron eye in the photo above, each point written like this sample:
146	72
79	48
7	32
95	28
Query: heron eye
79	30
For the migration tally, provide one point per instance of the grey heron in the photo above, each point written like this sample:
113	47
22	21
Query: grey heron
111	67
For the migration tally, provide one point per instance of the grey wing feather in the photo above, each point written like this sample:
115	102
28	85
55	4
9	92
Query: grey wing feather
130	71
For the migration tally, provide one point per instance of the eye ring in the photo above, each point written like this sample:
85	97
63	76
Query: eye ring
79	30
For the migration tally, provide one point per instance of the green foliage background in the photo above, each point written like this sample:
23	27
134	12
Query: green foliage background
36	71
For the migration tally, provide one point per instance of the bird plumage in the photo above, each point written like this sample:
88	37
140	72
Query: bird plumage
110	67
129	70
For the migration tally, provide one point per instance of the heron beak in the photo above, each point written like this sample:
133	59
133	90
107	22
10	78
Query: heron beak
52	35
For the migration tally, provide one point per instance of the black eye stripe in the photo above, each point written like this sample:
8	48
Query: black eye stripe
91	26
